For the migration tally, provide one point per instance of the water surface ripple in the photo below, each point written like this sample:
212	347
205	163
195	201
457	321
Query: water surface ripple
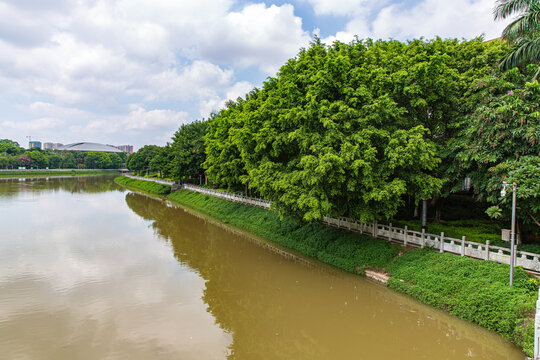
91	271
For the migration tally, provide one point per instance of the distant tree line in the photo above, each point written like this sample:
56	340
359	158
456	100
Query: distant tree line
12	156
365	129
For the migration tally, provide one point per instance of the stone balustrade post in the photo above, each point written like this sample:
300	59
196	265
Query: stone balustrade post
441	243
406	235
463	245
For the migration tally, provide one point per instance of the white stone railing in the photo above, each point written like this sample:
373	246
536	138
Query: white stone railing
462	247
265	204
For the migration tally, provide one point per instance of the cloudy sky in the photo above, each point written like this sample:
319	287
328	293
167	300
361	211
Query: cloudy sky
132	71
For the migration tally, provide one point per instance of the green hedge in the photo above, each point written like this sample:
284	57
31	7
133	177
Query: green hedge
147	186
473	290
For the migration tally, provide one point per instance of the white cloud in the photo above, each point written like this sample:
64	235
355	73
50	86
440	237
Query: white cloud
341	7
257	35
33	125
82	64
142	119
403	20
215	103
430	18
198	80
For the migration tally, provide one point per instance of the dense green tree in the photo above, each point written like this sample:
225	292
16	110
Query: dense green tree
39	160
92	159
188	151
140	160
116	161
69	160
104	161
224	165
502	140
161	162
10	147
350	129
55	161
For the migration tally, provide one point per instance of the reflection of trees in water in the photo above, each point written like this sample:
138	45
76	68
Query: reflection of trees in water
241	293
250	292
75	184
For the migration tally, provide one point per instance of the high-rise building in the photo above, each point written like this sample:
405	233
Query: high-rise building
125	148
34	144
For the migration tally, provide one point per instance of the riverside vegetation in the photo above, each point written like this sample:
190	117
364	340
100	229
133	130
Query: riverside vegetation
366	130
473	290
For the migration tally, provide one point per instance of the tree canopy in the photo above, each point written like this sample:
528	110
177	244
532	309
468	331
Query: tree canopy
349	129
501	141
523	32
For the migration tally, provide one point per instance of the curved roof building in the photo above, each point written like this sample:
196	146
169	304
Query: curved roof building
87	146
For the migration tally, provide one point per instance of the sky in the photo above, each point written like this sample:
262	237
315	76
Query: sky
132	71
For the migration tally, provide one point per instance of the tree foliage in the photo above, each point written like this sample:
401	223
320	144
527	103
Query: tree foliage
502	140
188	151
140	160
349	129
523	32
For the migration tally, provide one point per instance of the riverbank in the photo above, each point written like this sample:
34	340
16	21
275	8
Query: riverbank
146	186
47	173
474	290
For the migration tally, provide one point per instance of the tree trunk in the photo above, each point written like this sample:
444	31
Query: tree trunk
438	208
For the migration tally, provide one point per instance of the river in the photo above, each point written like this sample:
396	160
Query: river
92	271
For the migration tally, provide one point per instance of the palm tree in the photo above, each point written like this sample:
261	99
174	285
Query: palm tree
523	32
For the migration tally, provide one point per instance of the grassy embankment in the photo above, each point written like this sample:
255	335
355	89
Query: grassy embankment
39	173
149	187
473	290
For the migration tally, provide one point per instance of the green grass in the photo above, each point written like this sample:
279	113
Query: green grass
34	173
474	230
471	289
146	186
474	290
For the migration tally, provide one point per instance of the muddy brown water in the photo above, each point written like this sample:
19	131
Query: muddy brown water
91	271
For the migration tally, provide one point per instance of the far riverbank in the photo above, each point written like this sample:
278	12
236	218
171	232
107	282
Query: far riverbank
53	172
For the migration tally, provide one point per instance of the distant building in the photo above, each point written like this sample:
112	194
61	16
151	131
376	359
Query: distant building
86	146
52	146
125	148
34	144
